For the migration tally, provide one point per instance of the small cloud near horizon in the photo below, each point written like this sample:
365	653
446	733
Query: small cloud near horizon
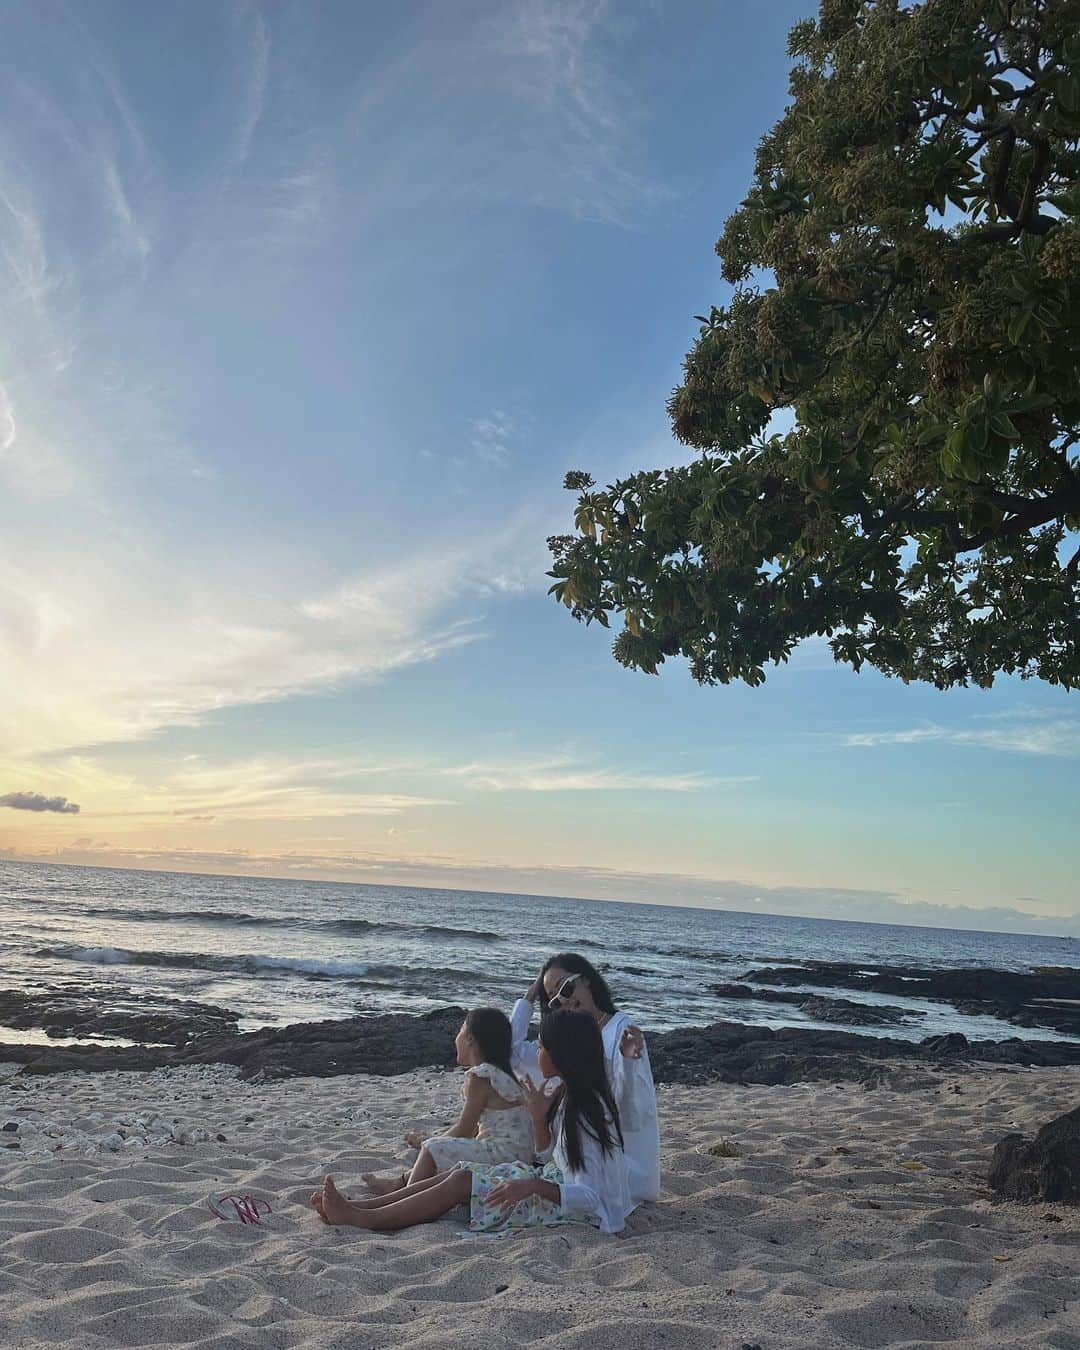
35	801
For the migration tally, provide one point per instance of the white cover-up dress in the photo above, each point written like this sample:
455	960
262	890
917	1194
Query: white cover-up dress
631	1085
504	1134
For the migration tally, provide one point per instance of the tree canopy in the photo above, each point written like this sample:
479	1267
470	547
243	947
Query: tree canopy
905	277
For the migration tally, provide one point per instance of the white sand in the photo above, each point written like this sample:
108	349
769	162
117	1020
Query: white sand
790	1244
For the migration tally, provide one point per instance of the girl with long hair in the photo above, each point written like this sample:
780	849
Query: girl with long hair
577	1137
569	982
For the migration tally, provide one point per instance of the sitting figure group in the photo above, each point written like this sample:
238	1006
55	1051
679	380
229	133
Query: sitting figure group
562	1128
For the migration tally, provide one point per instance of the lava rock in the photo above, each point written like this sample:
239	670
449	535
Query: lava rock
1046	996
944	1047
393	1043
77	1009
1045	1168
823	1008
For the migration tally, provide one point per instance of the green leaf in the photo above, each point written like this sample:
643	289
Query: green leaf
1017	324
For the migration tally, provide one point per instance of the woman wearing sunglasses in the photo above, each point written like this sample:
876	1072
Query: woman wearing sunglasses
570	983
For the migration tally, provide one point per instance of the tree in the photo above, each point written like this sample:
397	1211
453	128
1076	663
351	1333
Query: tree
906	282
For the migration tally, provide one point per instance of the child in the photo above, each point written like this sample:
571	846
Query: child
577	1127
494	1125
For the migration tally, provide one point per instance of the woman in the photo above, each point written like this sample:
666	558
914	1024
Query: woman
570	983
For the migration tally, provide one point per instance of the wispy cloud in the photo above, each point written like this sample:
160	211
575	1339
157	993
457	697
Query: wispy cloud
22	245
269	788
283	788
131	229
490	437
261	787
1017	733
256	80
35	801
518	102
8	429
564	774
105	642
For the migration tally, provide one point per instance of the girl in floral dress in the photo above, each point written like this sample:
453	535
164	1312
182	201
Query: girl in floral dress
582	1174
494	1125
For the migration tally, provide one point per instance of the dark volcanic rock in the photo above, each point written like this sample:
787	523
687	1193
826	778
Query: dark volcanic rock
73	1009
386	1044
390	1043
393	1043
1047	996
945	1047
823	1008
731	1052
1045	1168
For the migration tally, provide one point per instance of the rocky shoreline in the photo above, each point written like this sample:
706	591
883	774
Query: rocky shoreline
1048	996
142	1031
394	1043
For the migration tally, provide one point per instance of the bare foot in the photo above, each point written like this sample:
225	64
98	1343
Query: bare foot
383	1185
316	1201
335	1208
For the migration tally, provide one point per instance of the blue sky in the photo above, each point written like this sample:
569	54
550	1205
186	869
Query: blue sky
308	309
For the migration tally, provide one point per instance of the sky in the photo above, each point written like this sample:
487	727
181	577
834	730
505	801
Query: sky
308	307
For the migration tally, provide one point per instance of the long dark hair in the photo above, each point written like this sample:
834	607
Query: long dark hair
575	1045
490	1029
577	965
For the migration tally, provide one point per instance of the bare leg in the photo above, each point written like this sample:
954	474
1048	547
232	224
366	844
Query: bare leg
385	1185
424	1168
390	1198
426	1204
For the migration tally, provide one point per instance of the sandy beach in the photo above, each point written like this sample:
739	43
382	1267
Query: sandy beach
847	1217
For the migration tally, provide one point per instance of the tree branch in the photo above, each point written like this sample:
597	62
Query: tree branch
1031	188
999	193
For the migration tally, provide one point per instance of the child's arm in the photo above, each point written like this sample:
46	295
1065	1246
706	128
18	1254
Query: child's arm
578	1194
511	1192
476	1097
537	1103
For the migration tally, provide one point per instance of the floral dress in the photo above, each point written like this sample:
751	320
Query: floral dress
596	1192
503	1135
532	1212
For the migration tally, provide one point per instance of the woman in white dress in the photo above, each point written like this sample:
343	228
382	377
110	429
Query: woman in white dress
570	983
494	1125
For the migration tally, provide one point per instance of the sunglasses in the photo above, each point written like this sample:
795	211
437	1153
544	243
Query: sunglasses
563	992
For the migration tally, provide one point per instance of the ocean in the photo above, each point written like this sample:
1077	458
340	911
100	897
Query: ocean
279	951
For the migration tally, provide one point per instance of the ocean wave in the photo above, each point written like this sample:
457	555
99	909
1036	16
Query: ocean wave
175	915
359	926
347	927
413	979
421	976
243	964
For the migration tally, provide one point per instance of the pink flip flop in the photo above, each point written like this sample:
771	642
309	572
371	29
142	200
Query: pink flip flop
246	1208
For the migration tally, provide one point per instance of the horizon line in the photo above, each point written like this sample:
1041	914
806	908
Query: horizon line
551	895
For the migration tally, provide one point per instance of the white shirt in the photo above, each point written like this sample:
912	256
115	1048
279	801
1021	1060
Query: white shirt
631	1085
599	1190
635	1095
